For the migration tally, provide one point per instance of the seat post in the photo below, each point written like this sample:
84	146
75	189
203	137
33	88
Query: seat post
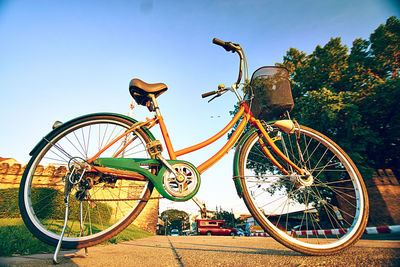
155	104
164	131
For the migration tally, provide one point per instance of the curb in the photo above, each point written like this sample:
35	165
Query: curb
259	234
383	229
369	230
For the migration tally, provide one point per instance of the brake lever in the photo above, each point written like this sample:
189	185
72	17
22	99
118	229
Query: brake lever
220	92
217	95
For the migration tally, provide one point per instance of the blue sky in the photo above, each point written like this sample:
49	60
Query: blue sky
62	59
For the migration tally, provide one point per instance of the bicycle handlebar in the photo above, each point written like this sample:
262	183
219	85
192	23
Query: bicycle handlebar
208	94
228	46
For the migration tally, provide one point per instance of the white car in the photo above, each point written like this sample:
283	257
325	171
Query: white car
240	232
174	232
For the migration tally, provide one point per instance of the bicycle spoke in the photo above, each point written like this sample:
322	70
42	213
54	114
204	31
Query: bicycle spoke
120	201
323	202
84	156
62	151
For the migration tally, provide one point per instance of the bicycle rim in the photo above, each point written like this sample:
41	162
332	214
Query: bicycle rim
110	204
319	213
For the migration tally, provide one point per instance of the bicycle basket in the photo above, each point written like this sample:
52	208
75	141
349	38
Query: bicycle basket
272	96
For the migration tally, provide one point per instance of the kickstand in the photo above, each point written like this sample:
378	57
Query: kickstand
82	232
66	200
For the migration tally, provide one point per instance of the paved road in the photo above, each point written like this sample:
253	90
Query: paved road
216	251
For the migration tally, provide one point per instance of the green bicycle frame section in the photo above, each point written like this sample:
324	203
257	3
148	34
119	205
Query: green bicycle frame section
135	165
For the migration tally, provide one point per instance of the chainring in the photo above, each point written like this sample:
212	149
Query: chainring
185	184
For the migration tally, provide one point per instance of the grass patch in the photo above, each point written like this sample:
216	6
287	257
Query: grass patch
130	233
15	238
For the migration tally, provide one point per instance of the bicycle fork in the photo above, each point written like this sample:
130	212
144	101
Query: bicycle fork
287	126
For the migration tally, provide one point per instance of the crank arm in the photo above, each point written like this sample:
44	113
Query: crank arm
169	167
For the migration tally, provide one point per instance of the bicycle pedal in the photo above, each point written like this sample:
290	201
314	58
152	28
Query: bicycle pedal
154	148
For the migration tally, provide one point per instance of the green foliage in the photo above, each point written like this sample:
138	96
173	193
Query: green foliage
176	219
337	116
229	217
49	203
15	238
9	203
381	117
385	48
353	97
130	233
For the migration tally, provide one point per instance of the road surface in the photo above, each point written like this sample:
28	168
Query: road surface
215	251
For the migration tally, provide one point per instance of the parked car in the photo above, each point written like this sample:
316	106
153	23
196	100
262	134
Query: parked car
240	232
214	227
188	232
174	232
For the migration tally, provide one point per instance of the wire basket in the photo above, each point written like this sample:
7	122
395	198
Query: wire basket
272	95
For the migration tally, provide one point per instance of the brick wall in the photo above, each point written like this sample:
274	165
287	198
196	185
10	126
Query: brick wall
10	177
384	199
148	218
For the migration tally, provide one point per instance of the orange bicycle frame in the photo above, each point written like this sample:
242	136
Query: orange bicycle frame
244	113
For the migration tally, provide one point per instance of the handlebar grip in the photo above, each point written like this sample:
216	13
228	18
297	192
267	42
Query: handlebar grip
226	45
208	94
218	42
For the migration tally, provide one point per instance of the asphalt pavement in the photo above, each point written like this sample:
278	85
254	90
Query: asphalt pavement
214	251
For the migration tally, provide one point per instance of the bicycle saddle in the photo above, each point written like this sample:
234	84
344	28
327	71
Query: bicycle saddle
140	90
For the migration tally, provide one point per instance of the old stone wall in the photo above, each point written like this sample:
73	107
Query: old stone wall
10	177
148	218
384	198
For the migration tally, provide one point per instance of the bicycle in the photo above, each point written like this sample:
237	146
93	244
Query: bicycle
295	181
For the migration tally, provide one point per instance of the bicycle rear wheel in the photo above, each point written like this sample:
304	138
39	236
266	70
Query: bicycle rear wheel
106	206
319	213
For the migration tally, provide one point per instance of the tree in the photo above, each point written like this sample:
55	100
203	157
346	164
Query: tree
177	219
229	217
353	97
385	48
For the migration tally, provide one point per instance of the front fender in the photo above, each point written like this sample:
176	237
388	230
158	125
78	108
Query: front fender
285	125
67	124
239	148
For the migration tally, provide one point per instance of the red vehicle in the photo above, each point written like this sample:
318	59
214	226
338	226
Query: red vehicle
214	227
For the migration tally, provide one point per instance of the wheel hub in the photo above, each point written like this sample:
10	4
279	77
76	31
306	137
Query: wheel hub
302	181
306	180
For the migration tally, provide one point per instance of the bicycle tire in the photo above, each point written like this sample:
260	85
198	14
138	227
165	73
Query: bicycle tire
330	204
109	210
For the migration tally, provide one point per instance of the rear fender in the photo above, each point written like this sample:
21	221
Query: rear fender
67	124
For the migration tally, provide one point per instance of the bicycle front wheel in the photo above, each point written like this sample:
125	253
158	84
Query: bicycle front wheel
319	213
100	206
